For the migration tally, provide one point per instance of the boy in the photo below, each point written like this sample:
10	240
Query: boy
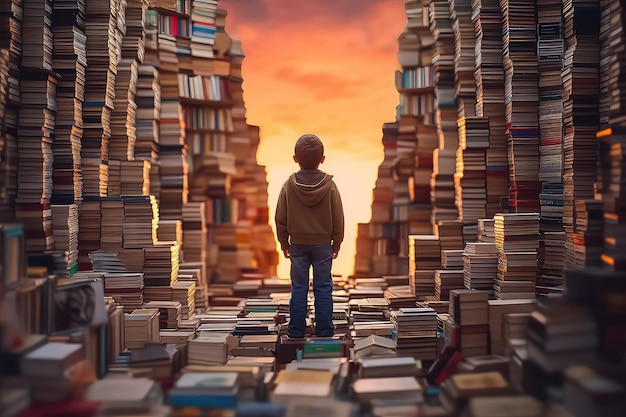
310	227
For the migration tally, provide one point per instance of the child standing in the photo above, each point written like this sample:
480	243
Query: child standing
310	228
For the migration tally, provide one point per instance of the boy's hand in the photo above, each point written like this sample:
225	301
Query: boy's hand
335	253
286	253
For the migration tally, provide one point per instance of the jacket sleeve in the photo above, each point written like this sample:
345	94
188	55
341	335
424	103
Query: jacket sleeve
338	219
281	219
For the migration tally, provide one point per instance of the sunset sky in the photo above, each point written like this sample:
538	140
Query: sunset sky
323	67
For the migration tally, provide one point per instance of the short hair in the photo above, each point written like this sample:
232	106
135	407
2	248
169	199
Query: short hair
309	151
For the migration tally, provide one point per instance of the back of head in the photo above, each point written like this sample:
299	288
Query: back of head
309	151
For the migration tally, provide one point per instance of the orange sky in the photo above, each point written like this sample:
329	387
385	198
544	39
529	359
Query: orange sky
323	67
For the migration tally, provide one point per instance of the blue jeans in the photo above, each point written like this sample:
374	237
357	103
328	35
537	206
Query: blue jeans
302	258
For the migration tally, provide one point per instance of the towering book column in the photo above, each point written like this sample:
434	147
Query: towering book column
255	236
148	100
550	49
36	127
10	51
519	50
263	241
416	85
444	157
470	173
580	74
489	76
69	60
613	141
173	25
383	247
104	25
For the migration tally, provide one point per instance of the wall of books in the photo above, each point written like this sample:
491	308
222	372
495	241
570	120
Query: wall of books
507	138
125	154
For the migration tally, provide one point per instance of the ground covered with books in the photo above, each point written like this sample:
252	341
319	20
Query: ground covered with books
390	356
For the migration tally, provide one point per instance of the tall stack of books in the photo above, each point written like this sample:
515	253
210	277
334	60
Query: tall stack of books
36	132
580	74
517	240
10	53
381	231
464	45
173	25
550	49
257	209
415	118
160	272
104	25
519	48
124	116
480	265
69	60
471	168
490	103
444	157
612	145
148	113
424	259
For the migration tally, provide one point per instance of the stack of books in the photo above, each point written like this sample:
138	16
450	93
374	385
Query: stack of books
161	267
120	260
194	232
69	60
480	265
172	21
89	231
209	348
450	234
552	242
464	45
148	113
446	280
586	244
517	240
10	56
140	327
550	49
444	157
580	74
34	147
471	167
452	259
65	230
111	229
416	332
193	272
135	177
185	293
170	313
489	75
127	287
519	50
424	259
552	350
141	220
468	327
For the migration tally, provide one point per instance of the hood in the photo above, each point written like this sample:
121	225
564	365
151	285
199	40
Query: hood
310	185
